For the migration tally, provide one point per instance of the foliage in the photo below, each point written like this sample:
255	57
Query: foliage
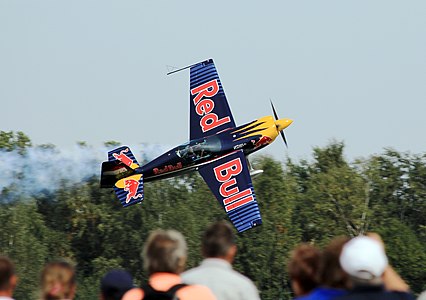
300	201
10	141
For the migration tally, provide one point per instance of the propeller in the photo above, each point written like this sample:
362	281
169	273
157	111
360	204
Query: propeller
276	118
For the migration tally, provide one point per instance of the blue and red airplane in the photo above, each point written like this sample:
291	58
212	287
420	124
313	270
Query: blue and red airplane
217	149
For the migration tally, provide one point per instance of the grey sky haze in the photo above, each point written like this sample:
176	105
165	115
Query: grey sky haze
95	71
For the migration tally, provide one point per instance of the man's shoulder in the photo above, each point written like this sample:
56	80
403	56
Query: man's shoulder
188	292
195	292
208	267
192	273
222	280
219	273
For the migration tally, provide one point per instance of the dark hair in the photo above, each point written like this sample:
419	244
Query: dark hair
115	284
330	272
217	239
7	270
303	266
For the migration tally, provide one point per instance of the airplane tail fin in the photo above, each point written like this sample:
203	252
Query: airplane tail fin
119	172
113	171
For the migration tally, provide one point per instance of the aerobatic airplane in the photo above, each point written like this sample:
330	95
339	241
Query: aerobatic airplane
217	149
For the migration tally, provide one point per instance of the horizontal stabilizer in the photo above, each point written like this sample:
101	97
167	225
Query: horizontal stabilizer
129	190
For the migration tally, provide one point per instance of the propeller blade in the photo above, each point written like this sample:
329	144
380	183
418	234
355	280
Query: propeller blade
276	118
273	109
284	139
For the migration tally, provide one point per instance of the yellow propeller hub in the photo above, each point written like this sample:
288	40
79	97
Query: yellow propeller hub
283	124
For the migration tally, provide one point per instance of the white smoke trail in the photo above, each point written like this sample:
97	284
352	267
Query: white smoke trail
47	169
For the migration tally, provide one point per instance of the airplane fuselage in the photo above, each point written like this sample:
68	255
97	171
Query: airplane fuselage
187	157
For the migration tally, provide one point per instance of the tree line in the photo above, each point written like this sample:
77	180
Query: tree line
311	201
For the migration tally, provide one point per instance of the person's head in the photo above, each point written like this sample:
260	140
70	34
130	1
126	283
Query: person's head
422	296
114	284
330	272
364	259
165	251
218	241
8	278
58	281
303	267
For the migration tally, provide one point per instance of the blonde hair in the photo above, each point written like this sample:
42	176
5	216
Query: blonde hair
58	281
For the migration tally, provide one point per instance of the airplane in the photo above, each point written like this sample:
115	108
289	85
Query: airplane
217	149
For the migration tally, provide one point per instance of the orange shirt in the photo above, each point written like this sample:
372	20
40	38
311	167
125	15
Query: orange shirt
164	281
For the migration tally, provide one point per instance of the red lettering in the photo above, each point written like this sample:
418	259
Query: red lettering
238	203
240	195
229	187
208	89
211	121
204	107
167	168
225	192
225	171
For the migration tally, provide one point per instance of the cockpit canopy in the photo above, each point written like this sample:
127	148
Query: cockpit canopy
201	148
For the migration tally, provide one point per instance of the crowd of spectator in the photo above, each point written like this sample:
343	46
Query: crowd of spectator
345	269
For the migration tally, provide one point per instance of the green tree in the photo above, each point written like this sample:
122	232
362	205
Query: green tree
404	250
310	200
11	141
263	251
24	238
332	197
396	191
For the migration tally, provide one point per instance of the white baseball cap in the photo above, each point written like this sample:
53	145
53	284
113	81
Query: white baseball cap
364	258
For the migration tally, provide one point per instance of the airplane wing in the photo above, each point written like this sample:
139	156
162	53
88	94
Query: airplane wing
209	109
230	181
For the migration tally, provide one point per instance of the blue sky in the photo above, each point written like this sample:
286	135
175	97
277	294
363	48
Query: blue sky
95	71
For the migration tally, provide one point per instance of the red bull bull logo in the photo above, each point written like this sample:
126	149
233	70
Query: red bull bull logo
123	157
226	174
131	186
265	140
204	106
